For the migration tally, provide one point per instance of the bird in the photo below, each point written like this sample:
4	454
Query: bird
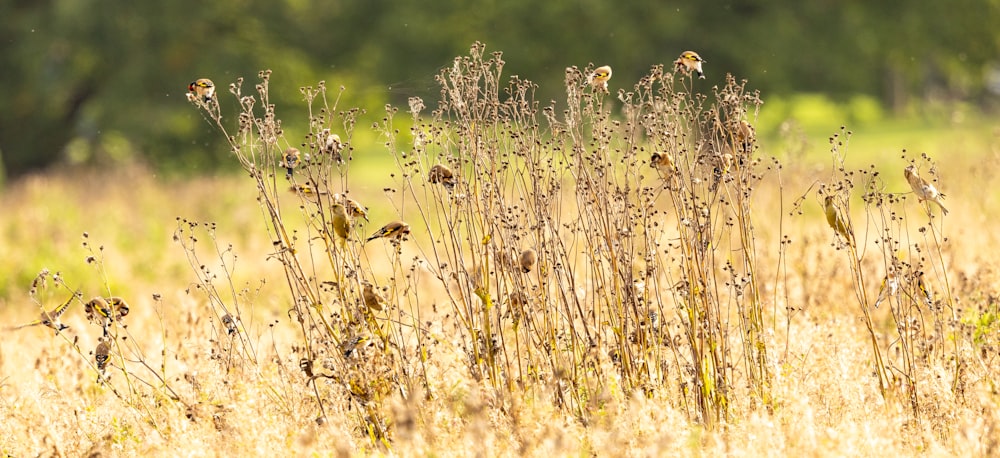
922	287
442	174
341	220
527	260
102	354
289	160
663	162
890	286
230	323
373	300
690	61
836	220
102	310
598	79
331	145
354	208
924	190
394	230
306	190
51	319
202	89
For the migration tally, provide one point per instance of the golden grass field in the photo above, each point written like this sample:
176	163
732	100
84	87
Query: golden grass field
179	385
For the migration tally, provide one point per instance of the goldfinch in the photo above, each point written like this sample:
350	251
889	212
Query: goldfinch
690	61
102	354
331	144
202	89
354	208
836	220
527	260
924	190
598	79
230	324
101	310
51	319
443	175
290	159
890	286
394	230
307	191
663	162
373	300
341	221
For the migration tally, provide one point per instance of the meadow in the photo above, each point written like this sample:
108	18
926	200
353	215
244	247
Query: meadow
687	298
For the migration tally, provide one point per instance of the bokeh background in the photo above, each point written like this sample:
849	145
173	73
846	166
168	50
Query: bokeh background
97	83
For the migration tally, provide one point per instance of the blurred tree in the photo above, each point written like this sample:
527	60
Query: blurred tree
94	82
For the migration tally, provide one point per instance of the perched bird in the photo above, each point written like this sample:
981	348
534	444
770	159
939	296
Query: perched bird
663	162
51	319
102	310
102	354
690	61
230	323
836	220
527	260
306	190
394	230
341	221
890	287
202	89
354	208
331	145
373	300
598	79
290	159
923	189
744	134
442	174
922	287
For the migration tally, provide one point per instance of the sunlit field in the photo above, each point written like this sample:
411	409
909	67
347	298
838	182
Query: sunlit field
687	297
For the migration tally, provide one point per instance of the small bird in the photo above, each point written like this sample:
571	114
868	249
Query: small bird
922	287
354	208
744	134
51	319
202	89
230	323
598	79
290	160
394	230
924	190
306	190
836	220
341	221
527	260
102	354
890	287
442	174
373	300
102	310
662	161
690	61
331	145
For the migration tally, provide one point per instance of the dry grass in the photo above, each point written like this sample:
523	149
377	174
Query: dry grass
699	308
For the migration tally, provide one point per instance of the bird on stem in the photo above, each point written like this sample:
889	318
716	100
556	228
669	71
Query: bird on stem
201	89
836	220
443	175
290	159
51	319
924	190
394	231
690	61
341	221
598	79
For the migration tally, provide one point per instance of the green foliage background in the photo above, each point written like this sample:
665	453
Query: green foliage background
89	81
